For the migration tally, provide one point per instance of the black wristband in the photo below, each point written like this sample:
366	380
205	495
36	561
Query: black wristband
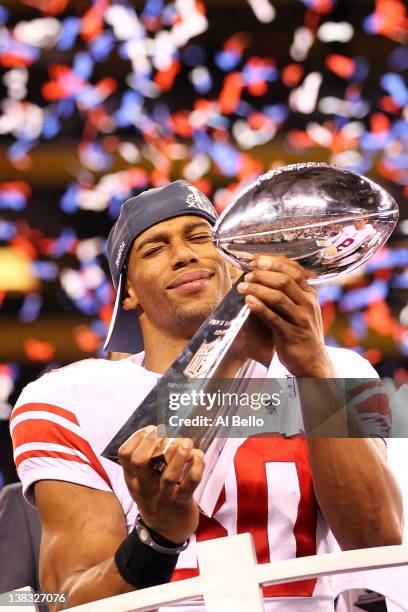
142	566
157	537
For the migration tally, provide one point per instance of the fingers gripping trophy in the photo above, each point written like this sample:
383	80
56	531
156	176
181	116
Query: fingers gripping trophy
328	219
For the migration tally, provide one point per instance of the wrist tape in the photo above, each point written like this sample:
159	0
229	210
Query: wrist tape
141	565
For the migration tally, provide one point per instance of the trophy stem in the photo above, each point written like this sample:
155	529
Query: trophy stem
207	354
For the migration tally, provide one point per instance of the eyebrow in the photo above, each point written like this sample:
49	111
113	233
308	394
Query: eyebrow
162	237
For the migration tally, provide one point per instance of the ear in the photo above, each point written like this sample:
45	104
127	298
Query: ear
129	300
235	272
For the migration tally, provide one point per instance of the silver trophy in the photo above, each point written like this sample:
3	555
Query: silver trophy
329	219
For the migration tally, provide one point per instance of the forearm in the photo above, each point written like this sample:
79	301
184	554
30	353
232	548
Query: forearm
357	493
102	580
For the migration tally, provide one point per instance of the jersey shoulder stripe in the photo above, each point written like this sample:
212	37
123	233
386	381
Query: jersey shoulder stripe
37	423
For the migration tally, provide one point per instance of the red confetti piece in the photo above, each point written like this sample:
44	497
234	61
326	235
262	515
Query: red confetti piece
391	19
48	7
379	318
8	59
230	95
322	6
24	245
92	21
400	377
86	339
39	350
299	139
238	43
329	314
249	167
373	354
379	123
341	65
292	74
181	125
387	104
165	78
22	186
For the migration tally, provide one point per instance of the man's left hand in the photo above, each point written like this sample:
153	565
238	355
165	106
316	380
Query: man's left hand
277	292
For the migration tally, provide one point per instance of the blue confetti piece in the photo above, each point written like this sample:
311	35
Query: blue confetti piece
68	202
244	109
83	65
374	141
254	73
71	27
45	270
226	157
152	8
276	112
114	208
64	242
7	230
31	308
130	107
19	149
101	47
95	157
87	305
369	25
388	258
360	298
398	59
98	327
103	292
65	108
193	55
400	281
51	126
358	324
362	69
394	84
328	293
161	116
227	60
12	199
4	14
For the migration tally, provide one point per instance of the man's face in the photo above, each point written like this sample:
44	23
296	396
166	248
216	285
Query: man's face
359	224
175	275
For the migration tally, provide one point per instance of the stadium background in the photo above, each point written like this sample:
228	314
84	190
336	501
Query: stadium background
102	99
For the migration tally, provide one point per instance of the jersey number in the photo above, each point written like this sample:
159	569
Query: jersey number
269	494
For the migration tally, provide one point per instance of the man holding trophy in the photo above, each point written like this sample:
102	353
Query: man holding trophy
110	527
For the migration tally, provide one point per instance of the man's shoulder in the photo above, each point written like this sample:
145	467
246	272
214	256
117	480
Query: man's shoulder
80	380
350	364
346	363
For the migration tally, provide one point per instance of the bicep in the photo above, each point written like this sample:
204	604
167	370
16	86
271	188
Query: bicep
81	527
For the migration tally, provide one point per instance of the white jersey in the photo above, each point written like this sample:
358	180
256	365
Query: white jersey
349	240
63	421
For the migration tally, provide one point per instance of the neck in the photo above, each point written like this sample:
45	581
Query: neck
161	350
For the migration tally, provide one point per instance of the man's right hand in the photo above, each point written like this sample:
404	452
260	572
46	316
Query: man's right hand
165	501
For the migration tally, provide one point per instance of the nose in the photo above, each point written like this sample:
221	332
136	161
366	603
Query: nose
182	255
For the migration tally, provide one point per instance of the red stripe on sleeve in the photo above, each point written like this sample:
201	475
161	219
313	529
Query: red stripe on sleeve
372	384
41	430
62	412
48	453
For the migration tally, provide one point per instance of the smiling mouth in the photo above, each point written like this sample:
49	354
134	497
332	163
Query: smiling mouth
191	282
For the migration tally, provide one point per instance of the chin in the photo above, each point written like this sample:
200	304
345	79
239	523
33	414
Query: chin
197	314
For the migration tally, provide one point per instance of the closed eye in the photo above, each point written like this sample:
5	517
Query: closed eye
200	237
151	252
